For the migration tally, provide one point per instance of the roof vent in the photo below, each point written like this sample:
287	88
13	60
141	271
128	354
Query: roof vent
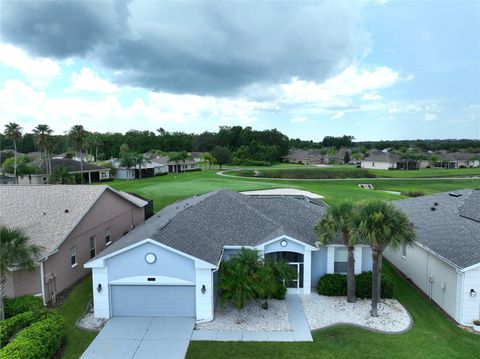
66	211
454	194
435	204
433	208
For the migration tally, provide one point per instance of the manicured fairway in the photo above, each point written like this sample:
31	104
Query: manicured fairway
167	189
432	337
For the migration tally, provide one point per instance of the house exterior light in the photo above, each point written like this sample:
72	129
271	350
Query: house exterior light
204	290
99	288
473	293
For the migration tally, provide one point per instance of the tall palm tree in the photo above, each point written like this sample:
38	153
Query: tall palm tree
338	219
140	160
16	253
127	160
42	133
77	135
13	131
381	224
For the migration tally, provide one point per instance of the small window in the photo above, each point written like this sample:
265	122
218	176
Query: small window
341	258
73	256
404	250
108	236
373	164
93	249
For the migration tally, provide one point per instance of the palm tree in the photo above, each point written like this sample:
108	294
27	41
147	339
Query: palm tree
77	136
13	131
127	160
338	219
139	160
207	157
16	253
61	175
42	132
380	224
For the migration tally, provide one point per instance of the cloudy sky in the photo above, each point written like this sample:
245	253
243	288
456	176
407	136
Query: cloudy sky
372	69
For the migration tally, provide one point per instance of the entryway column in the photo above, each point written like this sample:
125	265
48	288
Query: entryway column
330	259
358	259
307	272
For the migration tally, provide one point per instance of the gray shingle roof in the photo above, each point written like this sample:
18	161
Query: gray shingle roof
452	230
40	210
72	165
201	226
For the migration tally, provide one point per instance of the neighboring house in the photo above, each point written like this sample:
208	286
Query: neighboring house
149	169
176	166
457	160
197	156
71	224
444	262
306	157
86	157
382	160
169	265
89	172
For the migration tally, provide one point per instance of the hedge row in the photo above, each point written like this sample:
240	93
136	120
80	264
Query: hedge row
41	340
15	306
10	326
334	285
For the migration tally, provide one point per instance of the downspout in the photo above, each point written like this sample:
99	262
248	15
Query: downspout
460	317
42	282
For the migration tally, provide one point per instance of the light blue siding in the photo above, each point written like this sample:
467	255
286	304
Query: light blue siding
319	265
132	263
291	247
366	259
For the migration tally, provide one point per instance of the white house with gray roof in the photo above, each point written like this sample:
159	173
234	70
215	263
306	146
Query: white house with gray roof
168	266
444	262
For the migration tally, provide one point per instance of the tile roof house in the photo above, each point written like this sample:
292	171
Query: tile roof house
445	260
88	171
174	257
387	160
70	224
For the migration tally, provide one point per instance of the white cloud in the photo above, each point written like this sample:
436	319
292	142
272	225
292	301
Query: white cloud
28	106
39	71
87	80
298	119
371	96
430	117
338	115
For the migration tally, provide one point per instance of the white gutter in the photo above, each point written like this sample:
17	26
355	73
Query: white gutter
42	283
460	320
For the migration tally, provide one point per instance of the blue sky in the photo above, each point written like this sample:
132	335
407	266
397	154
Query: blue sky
371	69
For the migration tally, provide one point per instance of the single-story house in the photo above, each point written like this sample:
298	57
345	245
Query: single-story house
88	171
457	160
149	169
169	265
197	156
382	160
306	157
71	224
176	166
444	262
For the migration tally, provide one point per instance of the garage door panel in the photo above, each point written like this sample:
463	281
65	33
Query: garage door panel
155	301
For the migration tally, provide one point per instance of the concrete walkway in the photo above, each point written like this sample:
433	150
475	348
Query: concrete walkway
142	338
300	330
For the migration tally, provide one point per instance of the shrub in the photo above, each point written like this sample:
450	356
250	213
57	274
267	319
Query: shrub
10	326
415	194
334	285
14	306
40	340
476	322
312	173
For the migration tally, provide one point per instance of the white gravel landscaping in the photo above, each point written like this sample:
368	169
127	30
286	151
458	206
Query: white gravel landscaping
322	311
251	318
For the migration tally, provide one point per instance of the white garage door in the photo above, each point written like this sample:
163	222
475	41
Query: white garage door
152	301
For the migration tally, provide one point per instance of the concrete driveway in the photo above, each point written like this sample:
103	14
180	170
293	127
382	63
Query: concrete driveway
142	338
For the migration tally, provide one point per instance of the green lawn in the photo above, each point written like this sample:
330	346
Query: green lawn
167	189
72	309
432	336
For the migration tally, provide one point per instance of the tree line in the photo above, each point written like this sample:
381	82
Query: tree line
246	145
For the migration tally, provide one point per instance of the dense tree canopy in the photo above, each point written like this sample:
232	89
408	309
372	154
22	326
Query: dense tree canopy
242	142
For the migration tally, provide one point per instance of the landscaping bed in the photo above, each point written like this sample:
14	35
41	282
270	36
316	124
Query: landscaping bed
323	311
252	318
